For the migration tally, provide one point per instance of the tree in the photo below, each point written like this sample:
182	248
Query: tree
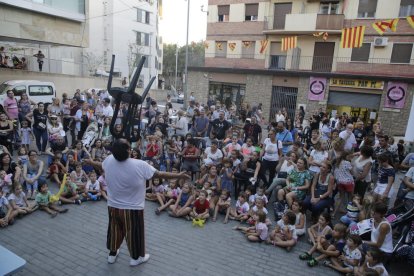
134	56
92	61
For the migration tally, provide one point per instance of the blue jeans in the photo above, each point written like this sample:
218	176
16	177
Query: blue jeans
41	138
347	221
317	208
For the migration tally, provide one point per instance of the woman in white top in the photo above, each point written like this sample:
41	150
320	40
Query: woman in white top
271	152
285	166
54	128
381	233
317	157
280	117
361	170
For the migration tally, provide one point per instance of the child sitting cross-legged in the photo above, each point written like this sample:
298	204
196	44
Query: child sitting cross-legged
258	232
56	170
350	257
329	246
172	191
320	229
18	201
372	265
156	192
182	206
284	234
43	200
201	207
92	188
223	206
300	223
241	211
7	213
258	206
69	194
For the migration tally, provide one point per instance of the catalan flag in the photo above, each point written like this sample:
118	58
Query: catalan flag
263	45
410	20
289	43
352	37
384	25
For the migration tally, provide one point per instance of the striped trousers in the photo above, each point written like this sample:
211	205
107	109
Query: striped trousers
128	224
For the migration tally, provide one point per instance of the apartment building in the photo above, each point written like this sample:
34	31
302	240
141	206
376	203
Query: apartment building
129	31
244	61
58	28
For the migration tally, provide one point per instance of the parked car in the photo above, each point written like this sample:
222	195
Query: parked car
38	91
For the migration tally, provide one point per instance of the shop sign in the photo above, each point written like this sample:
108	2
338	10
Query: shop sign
317	87
352	83
395	97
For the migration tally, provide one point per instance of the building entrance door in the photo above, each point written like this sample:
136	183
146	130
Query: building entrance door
283	97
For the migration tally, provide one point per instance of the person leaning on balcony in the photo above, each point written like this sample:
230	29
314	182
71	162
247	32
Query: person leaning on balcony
40	56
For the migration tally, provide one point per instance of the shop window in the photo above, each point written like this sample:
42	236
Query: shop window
223	13
406	8
329	8
248	49
367	8
251	12
221	49
361	54
401	53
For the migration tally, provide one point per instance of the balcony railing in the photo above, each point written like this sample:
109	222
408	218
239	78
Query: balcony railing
304	22
374	66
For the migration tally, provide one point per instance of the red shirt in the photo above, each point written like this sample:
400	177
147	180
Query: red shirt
152	150
190	152
201	207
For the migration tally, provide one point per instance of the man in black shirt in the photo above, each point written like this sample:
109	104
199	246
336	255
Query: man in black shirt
220	126
359	132
252	130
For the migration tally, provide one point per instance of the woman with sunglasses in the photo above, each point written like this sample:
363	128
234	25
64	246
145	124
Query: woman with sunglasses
54	127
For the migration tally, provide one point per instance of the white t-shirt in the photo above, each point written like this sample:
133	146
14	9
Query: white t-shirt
242	208
349	138
183	125
319	157
280	118
292	228
255	209
213	156
93	186
271	150
126	182
18	200
107	111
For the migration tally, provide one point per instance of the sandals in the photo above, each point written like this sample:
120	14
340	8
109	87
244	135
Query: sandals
305	256
312	262
157	211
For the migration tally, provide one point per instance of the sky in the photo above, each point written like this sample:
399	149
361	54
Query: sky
173	25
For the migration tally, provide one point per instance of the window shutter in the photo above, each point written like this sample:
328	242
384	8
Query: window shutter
368	6
252	9
361	54
223	10
401	53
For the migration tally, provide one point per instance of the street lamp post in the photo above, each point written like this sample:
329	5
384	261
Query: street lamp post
186	57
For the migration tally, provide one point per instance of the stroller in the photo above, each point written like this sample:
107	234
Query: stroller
90	135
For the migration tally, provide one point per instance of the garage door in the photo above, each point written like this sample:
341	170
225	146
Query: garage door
355	100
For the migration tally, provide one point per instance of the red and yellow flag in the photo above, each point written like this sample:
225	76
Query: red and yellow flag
219	46
232	46
352	37
263	45
289	43
324	35
410	20
384	25
247	44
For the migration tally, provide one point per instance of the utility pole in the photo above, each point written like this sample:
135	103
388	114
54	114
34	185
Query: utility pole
186	57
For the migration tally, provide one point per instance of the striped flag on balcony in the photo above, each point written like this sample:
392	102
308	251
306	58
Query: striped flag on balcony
352	37
384	25
410	20
289	43
263	45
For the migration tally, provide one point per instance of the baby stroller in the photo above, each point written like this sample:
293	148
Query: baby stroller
90	135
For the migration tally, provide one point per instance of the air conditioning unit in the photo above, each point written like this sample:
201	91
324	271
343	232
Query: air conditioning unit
380	41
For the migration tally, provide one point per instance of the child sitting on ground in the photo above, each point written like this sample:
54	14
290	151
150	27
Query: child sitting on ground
18	201
69	194
260	193
320	229
226	175
258	206
5	182
79	177
353	209
56	170
182	206
300	222
284	234
241	211
172	191
43	200
257	233
223	206
7	213
372	263
156	190
329	246
92	188
350	257
201	207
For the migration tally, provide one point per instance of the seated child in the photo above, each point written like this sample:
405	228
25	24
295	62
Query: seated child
284	234
18	201
201	207
5	182
92	188
300	222
329	246
7	213
69	194
43	200
320	229
56	171
372	263
156	190
258	232
353	209
79	177
350	257
103	185
260	193
172	191
258	206
223	206
241	211
226	175
182	206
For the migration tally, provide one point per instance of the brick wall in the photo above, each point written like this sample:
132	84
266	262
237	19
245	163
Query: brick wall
198	83
246	63
259	90
302	98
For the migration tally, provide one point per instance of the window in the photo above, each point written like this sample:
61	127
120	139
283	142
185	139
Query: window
329	8
361	54
19	90
406	8
223	13
401	53
142	39
40	90
143	16
248	49
147	61
251	12
221	49
367	8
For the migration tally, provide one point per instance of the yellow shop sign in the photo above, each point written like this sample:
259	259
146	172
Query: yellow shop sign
367	84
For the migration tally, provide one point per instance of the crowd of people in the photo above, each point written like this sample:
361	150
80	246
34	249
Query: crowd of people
323	176
12	61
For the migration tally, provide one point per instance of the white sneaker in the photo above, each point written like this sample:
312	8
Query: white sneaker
139	261
112	259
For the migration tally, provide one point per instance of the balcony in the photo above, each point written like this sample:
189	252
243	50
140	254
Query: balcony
233	61
304	23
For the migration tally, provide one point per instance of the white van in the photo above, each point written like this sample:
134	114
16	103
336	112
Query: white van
38	91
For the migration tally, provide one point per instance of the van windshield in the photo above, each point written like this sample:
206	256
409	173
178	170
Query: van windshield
3	88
